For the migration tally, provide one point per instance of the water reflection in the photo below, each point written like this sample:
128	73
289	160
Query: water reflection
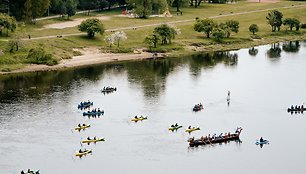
274	52
211	59
292	46
253	51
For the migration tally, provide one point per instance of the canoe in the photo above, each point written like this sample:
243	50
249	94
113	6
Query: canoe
92	140
86	105
233	137
264	142
83	153
82	127
93	113
139	119
192	129
174	128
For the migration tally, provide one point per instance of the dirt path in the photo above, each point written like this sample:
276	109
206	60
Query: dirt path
174	22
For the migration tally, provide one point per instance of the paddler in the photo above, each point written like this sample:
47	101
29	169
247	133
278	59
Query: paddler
261	140
176	124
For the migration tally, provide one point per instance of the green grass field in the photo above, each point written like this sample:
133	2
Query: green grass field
61	48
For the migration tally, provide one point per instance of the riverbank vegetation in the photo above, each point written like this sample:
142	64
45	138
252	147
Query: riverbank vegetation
60	44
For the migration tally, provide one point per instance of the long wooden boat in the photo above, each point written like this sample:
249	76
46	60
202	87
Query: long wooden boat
209	141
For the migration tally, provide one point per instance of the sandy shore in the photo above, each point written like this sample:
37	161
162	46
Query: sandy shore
90	56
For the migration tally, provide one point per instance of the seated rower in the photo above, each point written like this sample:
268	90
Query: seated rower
189	127
80	151
172	125
88	138
176	124
79	125
95	138
261	140
99	110
22	172
292	107
136	117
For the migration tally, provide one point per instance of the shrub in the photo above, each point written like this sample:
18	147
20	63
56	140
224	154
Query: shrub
40	56
303	25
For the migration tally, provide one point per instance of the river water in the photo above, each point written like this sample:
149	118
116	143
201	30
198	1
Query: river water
38	112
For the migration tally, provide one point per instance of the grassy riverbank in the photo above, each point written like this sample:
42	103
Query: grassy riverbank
188	42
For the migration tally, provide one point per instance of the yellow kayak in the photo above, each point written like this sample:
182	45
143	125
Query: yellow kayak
82	127
139	119
93	140
192	129
86	152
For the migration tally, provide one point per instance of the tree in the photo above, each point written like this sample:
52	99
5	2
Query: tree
179	3
71	6
34	8
144	8
292	22
166	32
218	33
152	40
103	4
119	36
205	25
110	40
88	5
7	22
253	28
233	26
274	19
92	26
62	10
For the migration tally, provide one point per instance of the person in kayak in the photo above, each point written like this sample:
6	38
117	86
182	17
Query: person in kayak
99	110
292	107
95	138
172	125
261	140
22	172
136	117
80	151
176	124
189	127
84	124
79	125
88	138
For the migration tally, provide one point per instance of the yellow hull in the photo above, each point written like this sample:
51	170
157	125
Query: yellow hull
139	119
82	127
83	153
93	141
192	129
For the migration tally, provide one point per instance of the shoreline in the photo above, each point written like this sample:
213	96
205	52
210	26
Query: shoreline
93	56
90	56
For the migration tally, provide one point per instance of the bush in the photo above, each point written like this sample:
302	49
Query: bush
39	56
303	25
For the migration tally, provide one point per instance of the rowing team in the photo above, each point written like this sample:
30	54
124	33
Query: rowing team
82	151
85	103
198	106
94	138
226	135
79	125
109	88
297	107
138	117
95	110
29	172
176	125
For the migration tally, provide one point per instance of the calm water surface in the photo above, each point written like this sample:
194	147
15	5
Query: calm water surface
38	112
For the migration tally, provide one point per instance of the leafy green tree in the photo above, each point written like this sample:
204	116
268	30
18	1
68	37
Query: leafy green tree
7	22
292	22
166	32
152	40
274	19
179	3
218	33
253	28
144	8
62	10
103	4
88	5
233	26
205	25
92	26
35	8
71	6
